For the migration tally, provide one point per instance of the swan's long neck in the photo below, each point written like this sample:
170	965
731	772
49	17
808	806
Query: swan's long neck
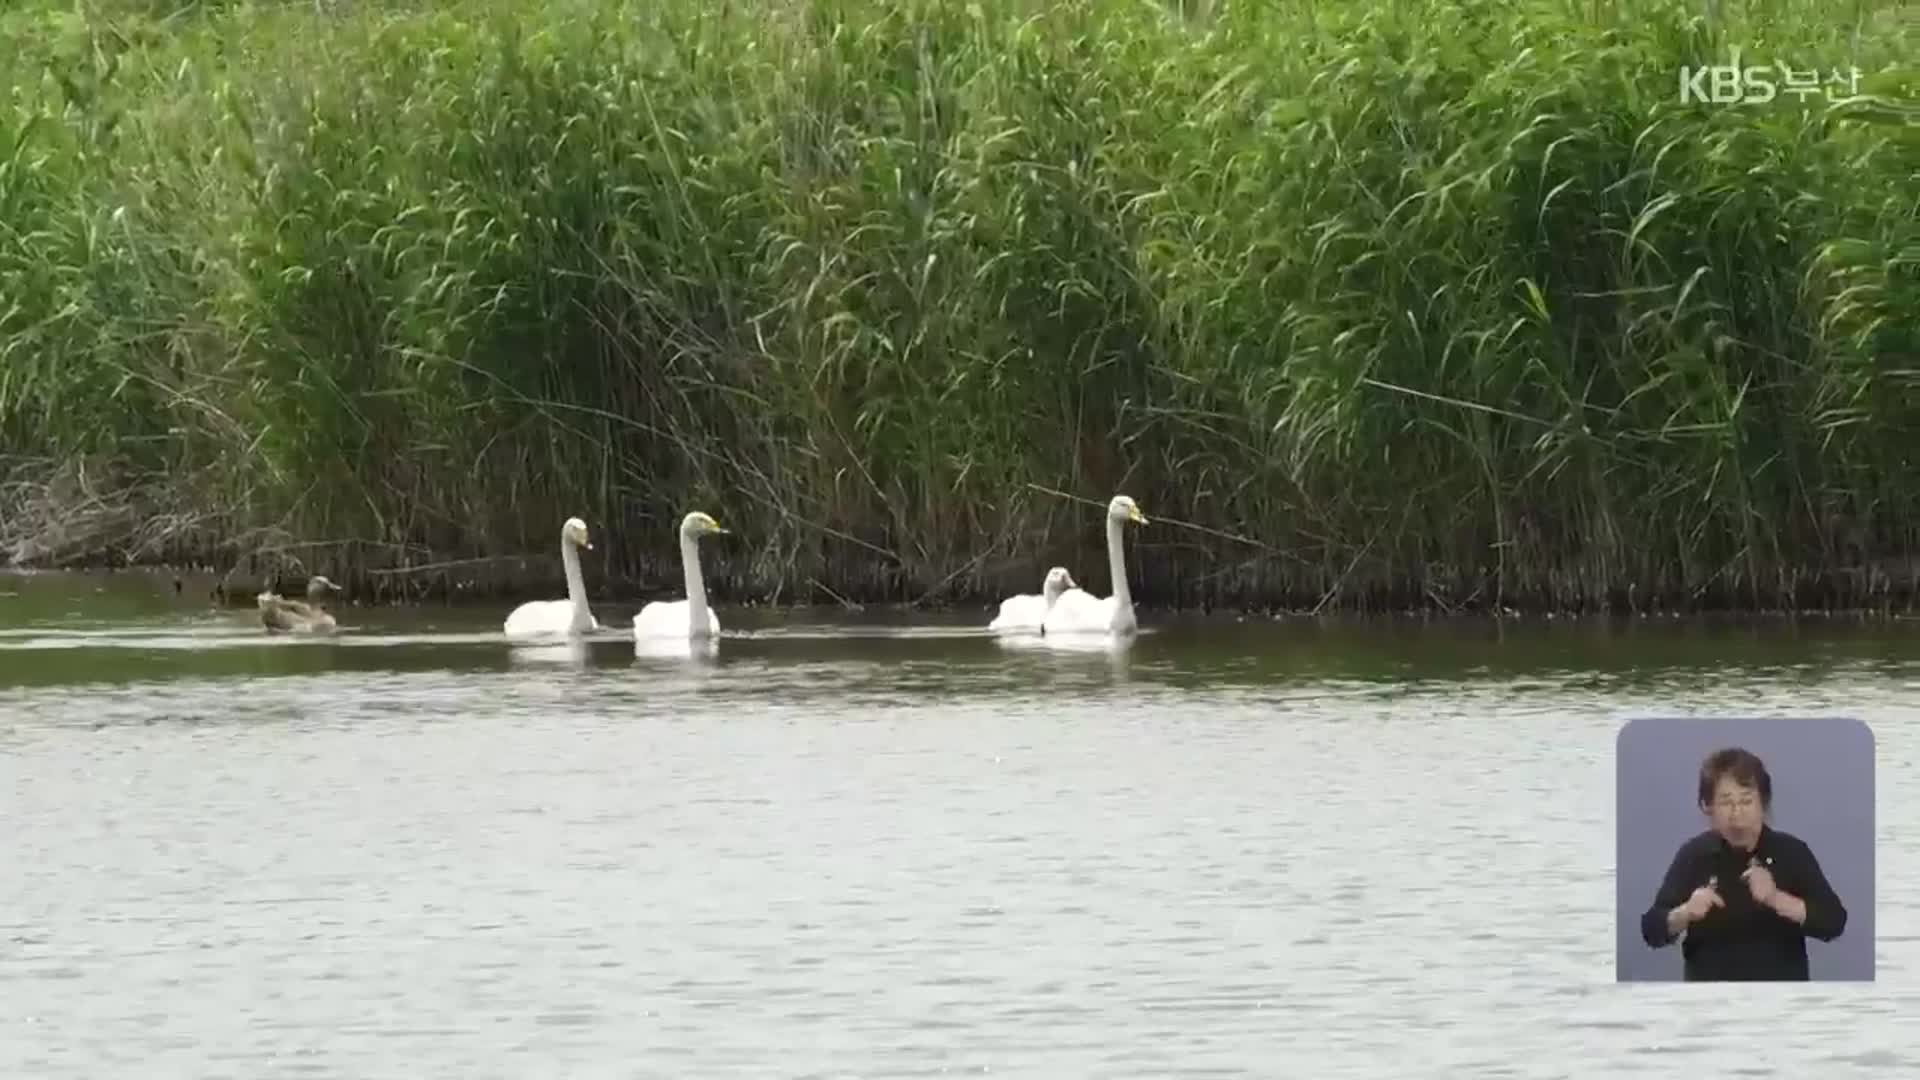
1117	563
696	585
576	585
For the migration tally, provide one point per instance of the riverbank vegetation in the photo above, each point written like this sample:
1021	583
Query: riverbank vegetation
1399	303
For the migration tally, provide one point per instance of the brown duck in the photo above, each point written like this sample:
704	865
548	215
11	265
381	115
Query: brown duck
277	613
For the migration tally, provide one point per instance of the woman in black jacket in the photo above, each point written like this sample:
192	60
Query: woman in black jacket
1742	898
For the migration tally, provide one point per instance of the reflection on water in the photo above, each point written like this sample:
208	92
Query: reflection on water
1101	644
573	653
692	649
1114	650
884	846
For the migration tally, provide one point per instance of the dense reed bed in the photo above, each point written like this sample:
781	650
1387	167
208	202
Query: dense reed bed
1402	303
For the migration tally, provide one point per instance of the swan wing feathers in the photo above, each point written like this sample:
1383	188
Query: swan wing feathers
540	617
1018	611
1082	612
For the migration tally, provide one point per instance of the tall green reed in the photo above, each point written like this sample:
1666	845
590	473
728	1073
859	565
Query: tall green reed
1437	305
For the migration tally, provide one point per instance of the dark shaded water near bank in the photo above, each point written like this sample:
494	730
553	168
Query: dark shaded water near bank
882	845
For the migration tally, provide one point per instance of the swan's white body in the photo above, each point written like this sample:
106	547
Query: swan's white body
570	617
1080	612
689	618
1025	613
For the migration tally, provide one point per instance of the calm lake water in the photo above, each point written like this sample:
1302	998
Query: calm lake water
879	847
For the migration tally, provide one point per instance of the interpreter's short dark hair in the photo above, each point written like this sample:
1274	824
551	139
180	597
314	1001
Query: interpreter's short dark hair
1744	766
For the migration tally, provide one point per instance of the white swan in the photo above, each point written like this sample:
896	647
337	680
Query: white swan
570	617
1024	613
689	618
1077	611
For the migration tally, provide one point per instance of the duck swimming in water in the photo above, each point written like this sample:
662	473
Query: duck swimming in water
278	614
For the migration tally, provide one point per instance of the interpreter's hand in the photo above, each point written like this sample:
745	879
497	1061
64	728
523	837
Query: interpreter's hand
1759	881
1704	899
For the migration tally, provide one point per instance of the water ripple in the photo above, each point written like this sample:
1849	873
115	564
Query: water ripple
967	860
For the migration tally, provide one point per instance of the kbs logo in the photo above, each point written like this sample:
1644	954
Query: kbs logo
1731	84
1724	84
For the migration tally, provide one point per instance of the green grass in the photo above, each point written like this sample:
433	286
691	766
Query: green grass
1425	303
